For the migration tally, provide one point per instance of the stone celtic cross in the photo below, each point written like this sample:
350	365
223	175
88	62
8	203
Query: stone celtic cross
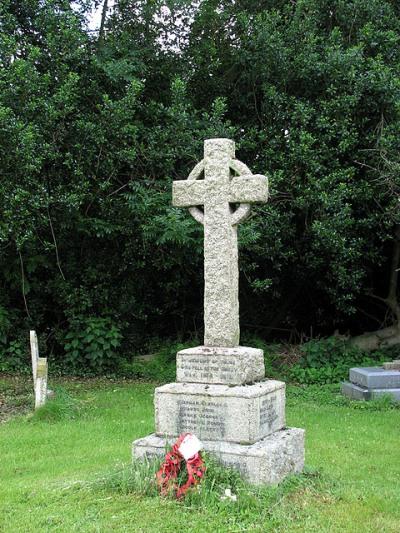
226	182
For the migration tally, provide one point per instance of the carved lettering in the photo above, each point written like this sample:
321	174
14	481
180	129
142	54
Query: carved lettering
268	413
207	368
202	417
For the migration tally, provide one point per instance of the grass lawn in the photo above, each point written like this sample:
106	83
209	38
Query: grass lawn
52	465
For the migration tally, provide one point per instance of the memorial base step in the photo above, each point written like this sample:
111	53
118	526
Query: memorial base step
243	414
266	462
356	392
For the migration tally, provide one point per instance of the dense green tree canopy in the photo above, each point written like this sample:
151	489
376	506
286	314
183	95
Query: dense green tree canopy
95	126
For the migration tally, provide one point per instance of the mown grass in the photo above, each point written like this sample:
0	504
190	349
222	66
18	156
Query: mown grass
67	468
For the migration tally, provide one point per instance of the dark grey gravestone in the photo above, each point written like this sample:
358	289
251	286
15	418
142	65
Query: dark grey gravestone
355	392
375	378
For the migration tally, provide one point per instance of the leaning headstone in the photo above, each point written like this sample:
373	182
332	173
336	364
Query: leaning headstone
221	394
39	372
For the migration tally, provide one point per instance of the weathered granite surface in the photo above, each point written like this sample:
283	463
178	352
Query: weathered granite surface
215	193
241	414
267	461
375	377
39	372
229	366
240	422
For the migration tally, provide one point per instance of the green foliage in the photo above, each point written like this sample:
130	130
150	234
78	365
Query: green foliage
329	360
62	406
15	358
160	366
94	130
5	325
60	467
137	477
91	343
323	394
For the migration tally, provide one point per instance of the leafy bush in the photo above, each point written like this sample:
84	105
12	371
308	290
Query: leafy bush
91	344
15	358
329	360
158	367
4	325
92	134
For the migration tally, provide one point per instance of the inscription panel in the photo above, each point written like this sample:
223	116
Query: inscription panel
204	418
268	412
218	412
228	366
208	369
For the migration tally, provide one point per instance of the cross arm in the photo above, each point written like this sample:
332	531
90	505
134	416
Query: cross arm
188	193
248	189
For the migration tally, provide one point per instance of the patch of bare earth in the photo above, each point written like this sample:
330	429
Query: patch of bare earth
16	396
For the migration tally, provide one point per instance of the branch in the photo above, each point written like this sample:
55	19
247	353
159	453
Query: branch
23	284
394	269
379	298
55	244
372	317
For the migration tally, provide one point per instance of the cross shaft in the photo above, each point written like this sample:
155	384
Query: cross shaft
215	193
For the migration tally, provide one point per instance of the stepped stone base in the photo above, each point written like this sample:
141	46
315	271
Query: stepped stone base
226	366
356	392
242	414
265	462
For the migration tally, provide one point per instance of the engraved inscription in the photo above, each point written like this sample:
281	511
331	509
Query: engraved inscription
202	417
268	413
206	368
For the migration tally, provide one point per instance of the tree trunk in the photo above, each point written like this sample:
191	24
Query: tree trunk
102	26
389	336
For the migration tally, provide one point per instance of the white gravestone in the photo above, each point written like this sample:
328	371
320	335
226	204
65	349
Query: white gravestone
39	371
221	394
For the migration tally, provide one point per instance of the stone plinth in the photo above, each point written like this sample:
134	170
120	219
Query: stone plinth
242	414
228	366
267	461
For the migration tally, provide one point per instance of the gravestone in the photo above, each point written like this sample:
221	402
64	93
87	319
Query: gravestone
39	372
392	365
368	383
221	394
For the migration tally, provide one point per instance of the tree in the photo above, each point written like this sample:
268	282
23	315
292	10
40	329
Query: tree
95	126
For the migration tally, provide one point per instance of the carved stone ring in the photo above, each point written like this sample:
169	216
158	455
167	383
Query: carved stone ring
243	211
